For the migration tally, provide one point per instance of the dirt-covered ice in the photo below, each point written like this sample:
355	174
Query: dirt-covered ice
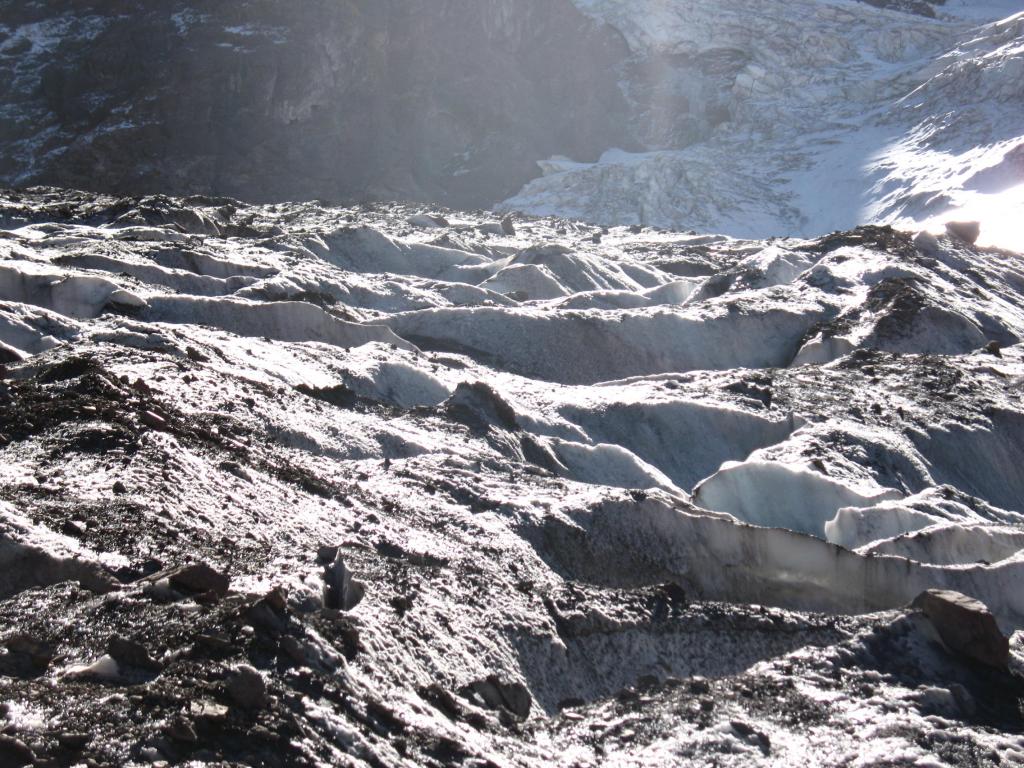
301	485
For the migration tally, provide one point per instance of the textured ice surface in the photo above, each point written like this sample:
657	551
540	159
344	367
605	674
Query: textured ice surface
833	113
646	510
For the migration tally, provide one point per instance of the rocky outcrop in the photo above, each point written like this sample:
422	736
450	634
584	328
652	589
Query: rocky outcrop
453	101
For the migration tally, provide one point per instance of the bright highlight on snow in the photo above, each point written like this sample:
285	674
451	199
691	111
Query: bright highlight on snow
834	114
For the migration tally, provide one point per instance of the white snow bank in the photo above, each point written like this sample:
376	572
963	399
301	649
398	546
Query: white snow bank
175	279
32	555
365	249
200	263
954	544
860	527
526	282
687	440
580	272
583	347
611	465
984	460
833	114
715	559
32	330
604	300
374	372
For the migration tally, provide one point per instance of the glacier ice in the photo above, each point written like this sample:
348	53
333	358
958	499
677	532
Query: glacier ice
815	116
578	496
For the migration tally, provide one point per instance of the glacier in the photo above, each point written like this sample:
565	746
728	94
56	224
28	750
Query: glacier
830	115
675	417
298	484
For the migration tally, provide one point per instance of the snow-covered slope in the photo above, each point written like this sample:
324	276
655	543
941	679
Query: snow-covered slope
797	117
519	492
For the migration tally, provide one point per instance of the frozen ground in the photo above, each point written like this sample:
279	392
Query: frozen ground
494	493
826	114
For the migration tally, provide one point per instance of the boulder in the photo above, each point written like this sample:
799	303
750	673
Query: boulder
508	226
341	590
427	221
967	231
496	693
38	652
128	653
965	625
927	243
195	578
15	753
247	688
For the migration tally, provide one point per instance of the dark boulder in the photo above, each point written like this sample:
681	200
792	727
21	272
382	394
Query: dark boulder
965	625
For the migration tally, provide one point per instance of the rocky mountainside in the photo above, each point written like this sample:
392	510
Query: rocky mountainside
451	101
750	117
303	485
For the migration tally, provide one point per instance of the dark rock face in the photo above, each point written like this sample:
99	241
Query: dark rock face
920	7
965	626
968	231
452	101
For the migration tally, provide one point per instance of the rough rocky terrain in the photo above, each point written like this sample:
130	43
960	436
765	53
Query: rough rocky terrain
294	484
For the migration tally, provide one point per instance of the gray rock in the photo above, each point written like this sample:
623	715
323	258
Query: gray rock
128	653
496	693
73	741
427	221
752	736
208	711
326	553
74	528
247	688
490	228
341	590
196	578
967	231
14	753
40	653
965	625
927	243
180	729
